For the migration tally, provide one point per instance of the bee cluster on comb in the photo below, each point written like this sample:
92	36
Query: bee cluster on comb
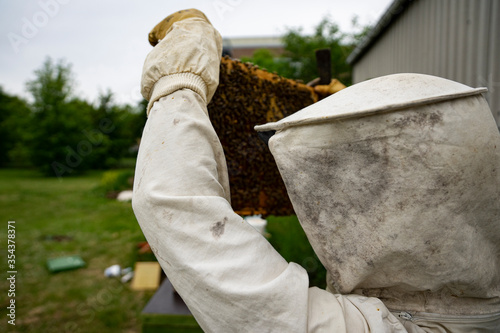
249	96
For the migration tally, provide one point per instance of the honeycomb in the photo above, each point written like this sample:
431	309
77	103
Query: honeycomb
249	96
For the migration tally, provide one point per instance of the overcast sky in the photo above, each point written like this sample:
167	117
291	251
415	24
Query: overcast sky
106	41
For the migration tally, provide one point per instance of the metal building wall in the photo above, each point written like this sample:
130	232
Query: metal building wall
454	39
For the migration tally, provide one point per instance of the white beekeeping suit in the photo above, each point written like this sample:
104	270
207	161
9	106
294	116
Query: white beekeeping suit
229	276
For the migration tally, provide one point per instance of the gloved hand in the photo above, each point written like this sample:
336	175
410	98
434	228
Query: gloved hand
329	89
188	56
161	29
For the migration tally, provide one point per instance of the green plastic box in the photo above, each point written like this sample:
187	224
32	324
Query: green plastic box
65	263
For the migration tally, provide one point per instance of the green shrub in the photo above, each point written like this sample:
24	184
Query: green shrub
290	240
115	181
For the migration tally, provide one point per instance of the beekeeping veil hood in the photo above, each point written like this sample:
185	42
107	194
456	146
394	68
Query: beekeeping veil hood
396	182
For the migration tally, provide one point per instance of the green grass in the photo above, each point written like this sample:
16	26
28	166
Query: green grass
103	232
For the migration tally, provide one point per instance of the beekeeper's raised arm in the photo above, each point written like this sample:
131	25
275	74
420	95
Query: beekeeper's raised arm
228	274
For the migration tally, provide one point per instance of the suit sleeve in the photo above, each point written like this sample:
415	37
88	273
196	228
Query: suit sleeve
227	273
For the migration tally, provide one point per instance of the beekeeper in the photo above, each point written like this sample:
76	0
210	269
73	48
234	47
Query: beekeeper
395	181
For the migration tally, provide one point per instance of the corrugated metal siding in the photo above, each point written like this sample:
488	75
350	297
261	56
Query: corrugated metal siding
455	39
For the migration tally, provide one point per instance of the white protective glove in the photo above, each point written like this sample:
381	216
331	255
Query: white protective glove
193	63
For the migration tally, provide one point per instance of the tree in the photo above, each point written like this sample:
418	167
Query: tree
267	60
15	130
124	125
299	59
62	134
58	146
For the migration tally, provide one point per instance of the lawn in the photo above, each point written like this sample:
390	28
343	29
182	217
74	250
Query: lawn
69	217
102	231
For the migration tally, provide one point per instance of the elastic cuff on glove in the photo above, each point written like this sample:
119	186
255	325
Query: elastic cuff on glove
171	83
